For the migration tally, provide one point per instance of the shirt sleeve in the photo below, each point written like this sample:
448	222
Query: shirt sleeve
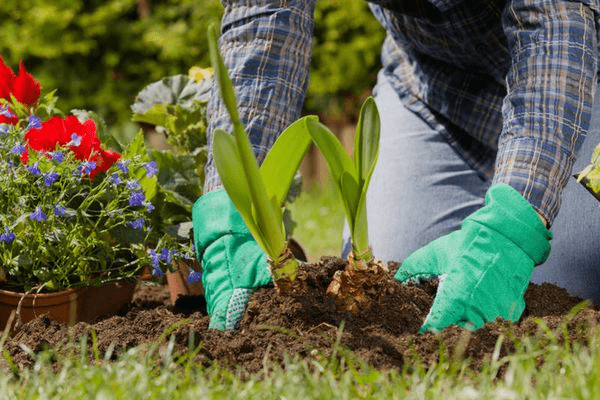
550	89
266	47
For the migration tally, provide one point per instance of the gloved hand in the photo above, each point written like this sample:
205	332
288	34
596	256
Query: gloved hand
232	262
485	267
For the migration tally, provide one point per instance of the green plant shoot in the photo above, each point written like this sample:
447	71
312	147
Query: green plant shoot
351	177
259	194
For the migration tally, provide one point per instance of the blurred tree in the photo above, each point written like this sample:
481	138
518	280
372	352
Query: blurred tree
345	59
100	53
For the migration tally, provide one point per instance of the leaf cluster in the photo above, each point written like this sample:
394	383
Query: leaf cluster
257	193
351	177
591	174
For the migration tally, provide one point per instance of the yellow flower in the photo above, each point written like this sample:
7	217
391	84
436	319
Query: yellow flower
199	74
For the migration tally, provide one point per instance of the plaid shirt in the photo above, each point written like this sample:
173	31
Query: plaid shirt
509	84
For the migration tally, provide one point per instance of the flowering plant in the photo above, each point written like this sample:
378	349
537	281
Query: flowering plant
72	212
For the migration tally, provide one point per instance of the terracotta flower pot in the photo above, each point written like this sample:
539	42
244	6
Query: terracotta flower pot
67	306
178	284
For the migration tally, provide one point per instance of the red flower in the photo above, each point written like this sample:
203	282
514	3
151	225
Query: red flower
52	133
7	80
24	87
69	131
87	132
104	160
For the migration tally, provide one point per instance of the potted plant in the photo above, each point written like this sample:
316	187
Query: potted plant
175	108
73	213
351	178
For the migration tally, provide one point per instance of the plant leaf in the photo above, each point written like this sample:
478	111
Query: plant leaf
176	89
596	156
350	199
228	162
225	85
284	158
268	230
334	153
366	142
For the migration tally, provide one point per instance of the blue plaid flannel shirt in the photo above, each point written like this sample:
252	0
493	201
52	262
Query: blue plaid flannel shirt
509	84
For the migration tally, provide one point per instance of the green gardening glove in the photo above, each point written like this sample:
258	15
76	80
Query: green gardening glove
485	267
232	262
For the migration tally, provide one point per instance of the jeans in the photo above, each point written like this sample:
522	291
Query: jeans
422	189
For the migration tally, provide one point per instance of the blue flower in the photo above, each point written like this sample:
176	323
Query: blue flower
132	184
75	140
7	236
17	149
155	263
165	255
151	169
149	206
34	169
87	167
137	198
38	215
114	179
50	178
58	156
59	209
4	129
123	166
4	110
194	276
137	223
34	122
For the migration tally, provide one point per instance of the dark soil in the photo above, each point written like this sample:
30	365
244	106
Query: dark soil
383	334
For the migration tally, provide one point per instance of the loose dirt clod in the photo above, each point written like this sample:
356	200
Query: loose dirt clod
382	332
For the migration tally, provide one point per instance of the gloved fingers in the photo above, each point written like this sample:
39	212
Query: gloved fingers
236	308
443	312
423	263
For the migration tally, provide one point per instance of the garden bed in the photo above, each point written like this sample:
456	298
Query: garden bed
383	334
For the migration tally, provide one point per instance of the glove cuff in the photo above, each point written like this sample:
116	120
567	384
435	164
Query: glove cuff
213	216
507	212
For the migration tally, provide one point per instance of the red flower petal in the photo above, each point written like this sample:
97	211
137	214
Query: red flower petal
53	132
10	121
87	132
26	89
7	80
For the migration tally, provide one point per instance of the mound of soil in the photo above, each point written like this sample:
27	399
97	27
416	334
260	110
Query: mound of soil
383	334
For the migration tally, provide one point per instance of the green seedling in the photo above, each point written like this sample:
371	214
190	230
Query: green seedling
351	178
259	193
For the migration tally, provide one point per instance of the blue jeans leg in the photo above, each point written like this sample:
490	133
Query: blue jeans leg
422	189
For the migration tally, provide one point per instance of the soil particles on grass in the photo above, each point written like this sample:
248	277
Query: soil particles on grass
383	333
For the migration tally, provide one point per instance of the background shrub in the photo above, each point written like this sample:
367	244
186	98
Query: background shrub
100	53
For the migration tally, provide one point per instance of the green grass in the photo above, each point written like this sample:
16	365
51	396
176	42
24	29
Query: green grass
542	367
320	218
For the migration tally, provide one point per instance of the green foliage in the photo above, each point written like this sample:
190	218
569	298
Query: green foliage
346	50
176	107
99	53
